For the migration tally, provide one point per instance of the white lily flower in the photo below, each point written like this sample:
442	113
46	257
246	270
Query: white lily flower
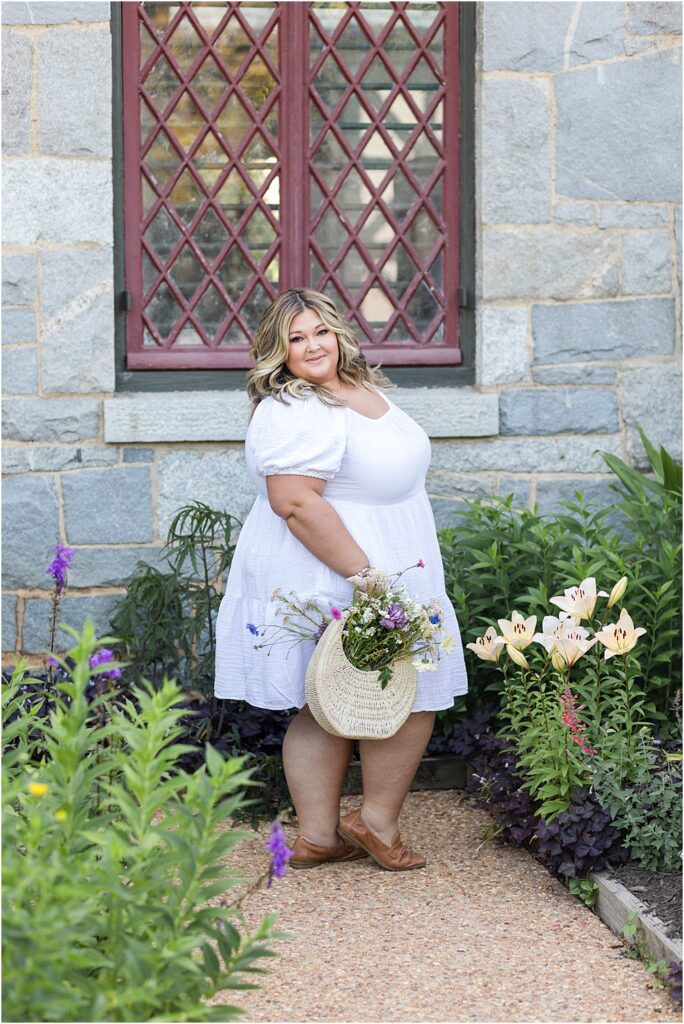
486	646
564	638
579	602
621	637
518	631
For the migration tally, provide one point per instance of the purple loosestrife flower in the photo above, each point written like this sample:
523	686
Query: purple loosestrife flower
60	564
252	628
280	853
102	658
395	617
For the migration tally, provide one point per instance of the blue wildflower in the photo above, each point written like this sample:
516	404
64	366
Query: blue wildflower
280	852
435	620
252	628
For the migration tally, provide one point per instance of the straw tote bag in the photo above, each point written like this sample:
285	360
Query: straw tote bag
348	701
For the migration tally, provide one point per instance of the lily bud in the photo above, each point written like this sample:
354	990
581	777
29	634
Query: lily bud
618	591
557	660
517	656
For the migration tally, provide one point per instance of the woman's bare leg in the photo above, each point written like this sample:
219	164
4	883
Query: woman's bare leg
387	768
315	765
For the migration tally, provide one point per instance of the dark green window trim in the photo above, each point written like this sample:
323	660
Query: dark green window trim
406	376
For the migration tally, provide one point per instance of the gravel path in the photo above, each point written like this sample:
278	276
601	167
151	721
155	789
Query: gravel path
476	936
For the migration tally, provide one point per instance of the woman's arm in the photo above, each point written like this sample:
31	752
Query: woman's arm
314	522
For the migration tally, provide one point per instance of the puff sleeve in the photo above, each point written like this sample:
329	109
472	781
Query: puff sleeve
306	437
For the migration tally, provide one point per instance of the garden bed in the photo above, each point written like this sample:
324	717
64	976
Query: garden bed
660	891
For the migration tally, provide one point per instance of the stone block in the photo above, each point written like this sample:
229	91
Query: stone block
448	512
449	483
37	458
678	242
633	215
51	419
110	566
619	130
18	279
578	214
30	525
77	303
9	622
663	19
651	397
516	151
580	332
550	493
646	263
62	201
75	73
517	485
17	59
138	454
19	370
525	455
549	36
73	611
18	326
574	410
574	374
549	263
109	506
502	355
50	12
218	478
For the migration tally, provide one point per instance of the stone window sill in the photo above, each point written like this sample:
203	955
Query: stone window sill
223	415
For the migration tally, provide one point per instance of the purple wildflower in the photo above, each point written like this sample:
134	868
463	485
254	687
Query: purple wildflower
321	630
335	611
420	563
280	852
103	657
60	564
252	628
395	617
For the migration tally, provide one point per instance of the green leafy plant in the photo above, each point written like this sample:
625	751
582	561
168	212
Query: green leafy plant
111	856
166	620
585	889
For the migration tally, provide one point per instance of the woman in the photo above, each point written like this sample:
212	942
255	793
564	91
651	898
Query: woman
340	473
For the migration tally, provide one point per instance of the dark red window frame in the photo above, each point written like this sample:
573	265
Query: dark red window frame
295	78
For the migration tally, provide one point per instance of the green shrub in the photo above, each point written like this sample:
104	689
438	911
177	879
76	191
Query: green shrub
111	854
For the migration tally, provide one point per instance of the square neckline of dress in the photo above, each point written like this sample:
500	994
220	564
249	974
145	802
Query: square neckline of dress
373	419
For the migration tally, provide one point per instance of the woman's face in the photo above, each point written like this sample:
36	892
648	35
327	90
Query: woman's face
313	352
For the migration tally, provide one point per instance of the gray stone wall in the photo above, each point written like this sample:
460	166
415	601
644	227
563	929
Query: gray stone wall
578	296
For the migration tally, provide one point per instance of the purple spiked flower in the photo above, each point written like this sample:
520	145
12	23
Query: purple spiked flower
102	657
280	852
395	617
60	564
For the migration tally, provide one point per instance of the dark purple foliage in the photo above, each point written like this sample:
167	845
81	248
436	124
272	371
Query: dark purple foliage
674	978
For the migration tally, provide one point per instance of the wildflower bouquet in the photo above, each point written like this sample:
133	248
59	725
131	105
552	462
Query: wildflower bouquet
379	627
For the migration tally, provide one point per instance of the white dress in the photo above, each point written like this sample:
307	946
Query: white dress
375	479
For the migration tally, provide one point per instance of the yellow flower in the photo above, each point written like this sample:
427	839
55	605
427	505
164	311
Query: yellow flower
515	655
618	592
37	788
486	646
61	815
579	601
448	644
518	631
621	637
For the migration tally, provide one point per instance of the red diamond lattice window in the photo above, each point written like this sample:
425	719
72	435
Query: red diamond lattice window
278	145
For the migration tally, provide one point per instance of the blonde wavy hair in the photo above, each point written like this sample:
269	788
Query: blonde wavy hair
270	349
